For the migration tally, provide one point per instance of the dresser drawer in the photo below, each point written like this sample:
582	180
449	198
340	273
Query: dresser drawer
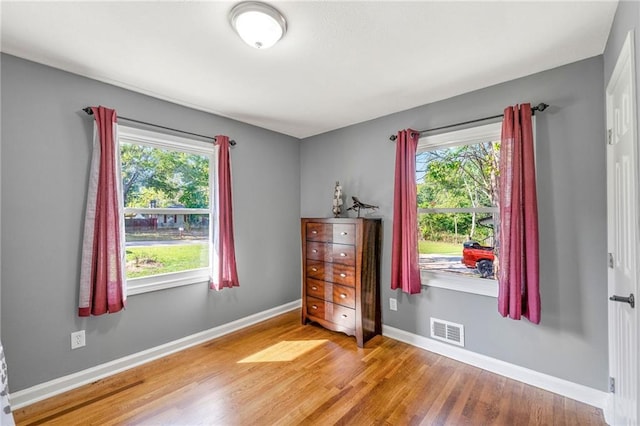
332	272
343	316
329	252
343	234
328	311
315	288
316	250
319	232
318	270
331	232
315	307
342	253
343	295
343	274
338	294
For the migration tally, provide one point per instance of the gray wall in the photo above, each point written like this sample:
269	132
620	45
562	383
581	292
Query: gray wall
46	141
571	341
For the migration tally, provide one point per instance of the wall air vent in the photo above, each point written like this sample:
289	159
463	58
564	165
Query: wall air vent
447	331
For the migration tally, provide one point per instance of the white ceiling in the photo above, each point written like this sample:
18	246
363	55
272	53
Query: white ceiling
340	62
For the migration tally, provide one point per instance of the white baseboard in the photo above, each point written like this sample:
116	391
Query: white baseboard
57	386
608	410
553	384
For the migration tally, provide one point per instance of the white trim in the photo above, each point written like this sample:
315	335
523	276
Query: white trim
167	210
57	386
480	286
168	141
163	281
477	134
158	140
607	410
553	384
625	63
449	281
485	133
461	210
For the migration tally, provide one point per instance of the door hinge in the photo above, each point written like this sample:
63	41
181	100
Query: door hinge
612	385
609	132
611	260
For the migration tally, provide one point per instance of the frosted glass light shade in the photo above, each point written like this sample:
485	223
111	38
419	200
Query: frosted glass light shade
258	24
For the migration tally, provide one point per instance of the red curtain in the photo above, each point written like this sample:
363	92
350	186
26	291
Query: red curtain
224	272
102	274
518	274
405	273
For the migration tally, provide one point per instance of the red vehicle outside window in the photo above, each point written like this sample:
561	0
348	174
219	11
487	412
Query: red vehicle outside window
476	256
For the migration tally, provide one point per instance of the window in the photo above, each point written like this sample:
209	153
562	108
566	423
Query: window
167	194
458	215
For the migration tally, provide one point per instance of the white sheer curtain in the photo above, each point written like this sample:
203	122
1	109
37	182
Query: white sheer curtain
6	416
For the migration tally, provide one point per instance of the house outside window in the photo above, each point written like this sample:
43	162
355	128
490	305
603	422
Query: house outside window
458	213
167	194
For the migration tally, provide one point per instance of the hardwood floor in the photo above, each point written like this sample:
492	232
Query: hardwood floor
282	373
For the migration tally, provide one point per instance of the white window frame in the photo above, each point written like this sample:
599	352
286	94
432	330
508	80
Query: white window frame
157	282
478	134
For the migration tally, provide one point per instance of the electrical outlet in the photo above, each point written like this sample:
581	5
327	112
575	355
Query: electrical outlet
77	339
393	304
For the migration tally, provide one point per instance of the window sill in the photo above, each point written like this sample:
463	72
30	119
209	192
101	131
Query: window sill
483	287
165	281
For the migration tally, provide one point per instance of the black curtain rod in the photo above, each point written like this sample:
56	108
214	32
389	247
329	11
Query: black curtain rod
540	107
89	111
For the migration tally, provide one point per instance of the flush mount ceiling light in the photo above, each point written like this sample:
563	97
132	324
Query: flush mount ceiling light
258	24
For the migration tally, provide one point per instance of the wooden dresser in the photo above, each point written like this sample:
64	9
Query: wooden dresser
341	275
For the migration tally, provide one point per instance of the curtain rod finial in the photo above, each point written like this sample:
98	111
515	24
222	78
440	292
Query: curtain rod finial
88	110
392	138
541	107
231	141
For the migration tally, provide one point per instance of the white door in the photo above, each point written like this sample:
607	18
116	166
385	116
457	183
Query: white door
622	238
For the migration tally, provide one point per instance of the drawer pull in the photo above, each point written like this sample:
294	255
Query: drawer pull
314	288
314	251
343	275
314	232
344	315
343	233
343	296
314	307
343	254
314	269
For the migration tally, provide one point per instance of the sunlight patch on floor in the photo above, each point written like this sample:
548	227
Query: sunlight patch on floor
287	350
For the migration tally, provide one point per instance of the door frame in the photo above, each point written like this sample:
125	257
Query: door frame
627	53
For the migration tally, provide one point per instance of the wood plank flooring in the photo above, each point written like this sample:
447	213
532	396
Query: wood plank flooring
282	373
